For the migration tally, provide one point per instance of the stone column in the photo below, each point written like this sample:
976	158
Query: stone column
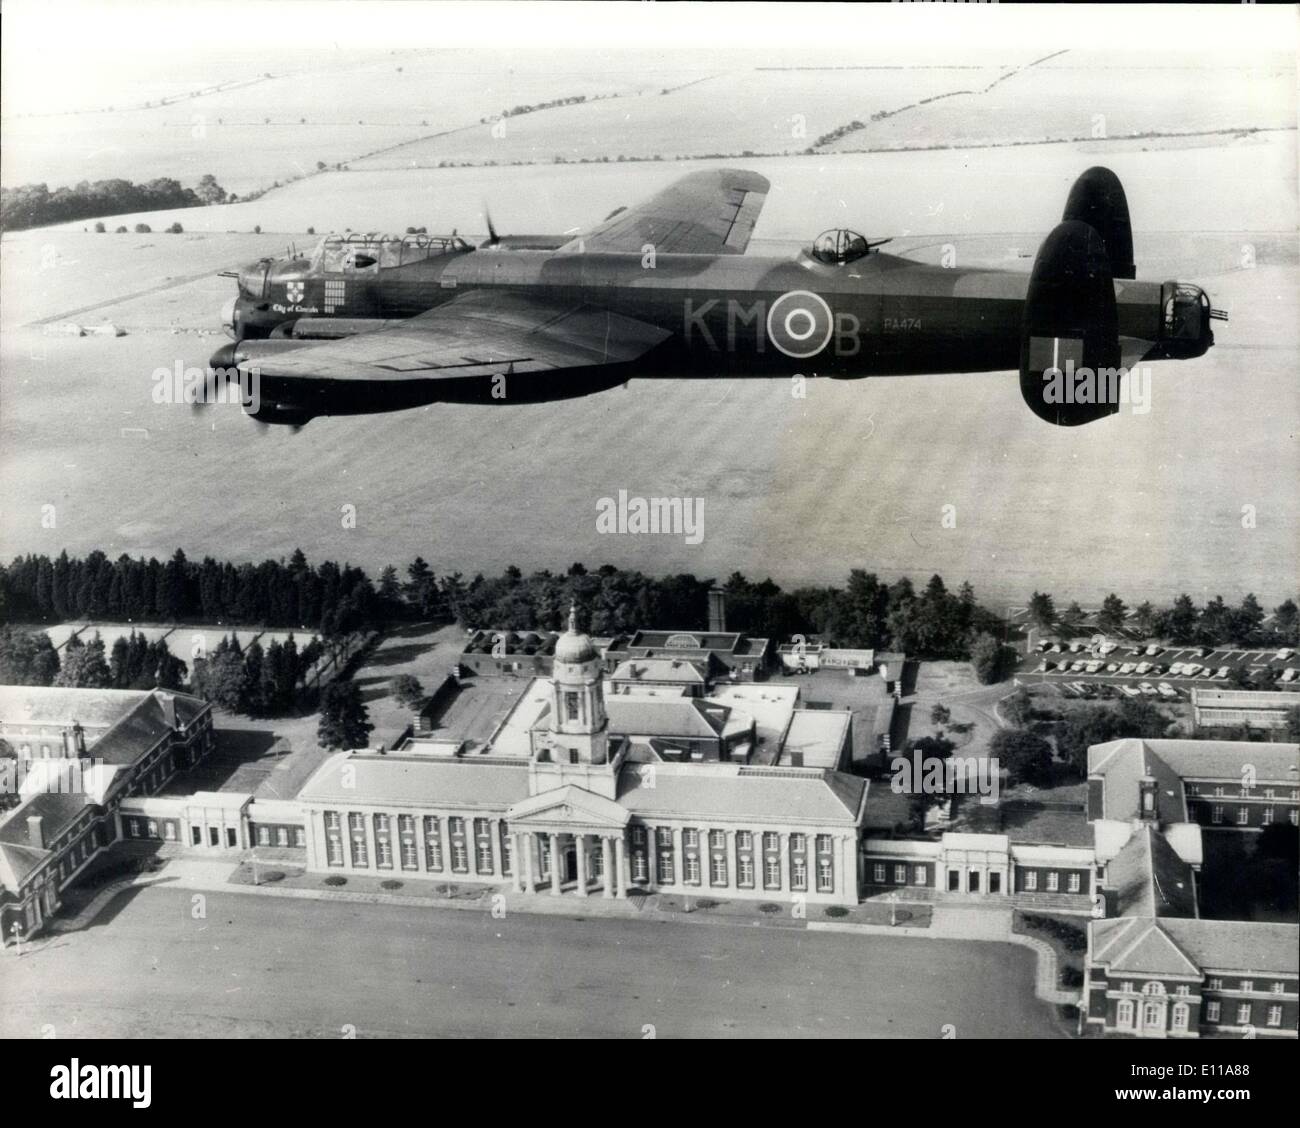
607	860
524	851
444	842
555	865
620	854
783	853
580	843
515	883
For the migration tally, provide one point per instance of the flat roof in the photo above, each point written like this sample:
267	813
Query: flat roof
816	738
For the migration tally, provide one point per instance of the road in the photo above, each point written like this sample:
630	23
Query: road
271	967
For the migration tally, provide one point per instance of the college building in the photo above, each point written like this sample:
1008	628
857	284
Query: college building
656	784
1154	966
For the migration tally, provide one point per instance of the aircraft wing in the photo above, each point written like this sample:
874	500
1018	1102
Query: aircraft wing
711	212
481	333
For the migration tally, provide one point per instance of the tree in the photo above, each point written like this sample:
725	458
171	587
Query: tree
1018	707
988	657
1181	624
407	690
209	191
1042	611
1111	616
1144	619
84	665
1025	755
939	715
1072	619
344	718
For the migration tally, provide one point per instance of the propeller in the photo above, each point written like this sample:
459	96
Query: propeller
493	238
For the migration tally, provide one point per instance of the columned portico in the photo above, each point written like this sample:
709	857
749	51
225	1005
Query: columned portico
573	818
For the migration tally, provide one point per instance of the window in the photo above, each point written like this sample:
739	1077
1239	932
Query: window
1247	985
1182	991
744	840
1275	1016
919	875
133	828
664	836
459	857
571	706
1053	881
638	836
1126	985
825	876
334	849
457	825
1180	1017
1212	1010
718	839
169	831
484	857
1243	1014
1216	813
410	855
1294	816
1124	1013
798	874
878	873
666	868
1278	989
639	867
508	853
432	844
745	868
1267	819
153	828
383	843
359	857
692	869
823	844
798	843
264	836
772	873
332	820
718	870
1270	793
282	836
690	837
770	840
1218	792
1153	988
1243	816
1073	885
900	875
1031	881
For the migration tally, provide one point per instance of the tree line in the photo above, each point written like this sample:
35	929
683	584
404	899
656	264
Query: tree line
1182	622
34	205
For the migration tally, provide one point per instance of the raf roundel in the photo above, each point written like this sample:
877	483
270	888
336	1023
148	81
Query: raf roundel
799	324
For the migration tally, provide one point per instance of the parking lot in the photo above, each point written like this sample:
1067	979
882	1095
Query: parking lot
1169	673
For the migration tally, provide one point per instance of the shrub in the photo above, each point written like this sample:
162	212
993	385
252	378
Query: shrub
311	231
271	875
1071	977
100	228
175	229
706	903
768	907
390	883
142	229
257	229
120	231
336	879
836	911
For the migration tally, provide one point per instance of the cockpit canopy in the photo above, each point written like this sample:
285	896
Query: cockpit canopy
356	251
838	246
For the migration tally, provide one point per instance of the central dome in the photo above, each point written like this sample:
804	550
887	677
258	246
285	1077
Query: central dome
573	647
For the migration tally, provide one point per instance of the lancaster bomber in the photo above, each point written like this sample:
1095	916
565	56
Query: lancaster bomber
666	289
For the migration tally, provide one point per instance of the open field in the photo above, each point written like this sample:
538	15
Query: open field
261	967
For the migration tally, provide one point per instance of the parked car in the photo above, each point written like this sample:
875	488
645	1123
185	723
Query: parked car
1190	670
1167	690
1153	650
1075	647
1129	691
1094	666
1043	666
1127	668
1159	668
1289	674
1148	689
1177	669
1107	647
1223	671
1113	668
1204	651
1283	654
1142	668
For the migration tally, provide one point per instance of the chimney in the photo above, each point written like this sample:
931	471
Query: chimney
717	611
36	831
1150	798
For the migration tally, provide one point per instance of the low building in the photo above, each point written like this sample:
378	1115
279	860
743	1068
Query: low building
1233	708
81	756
